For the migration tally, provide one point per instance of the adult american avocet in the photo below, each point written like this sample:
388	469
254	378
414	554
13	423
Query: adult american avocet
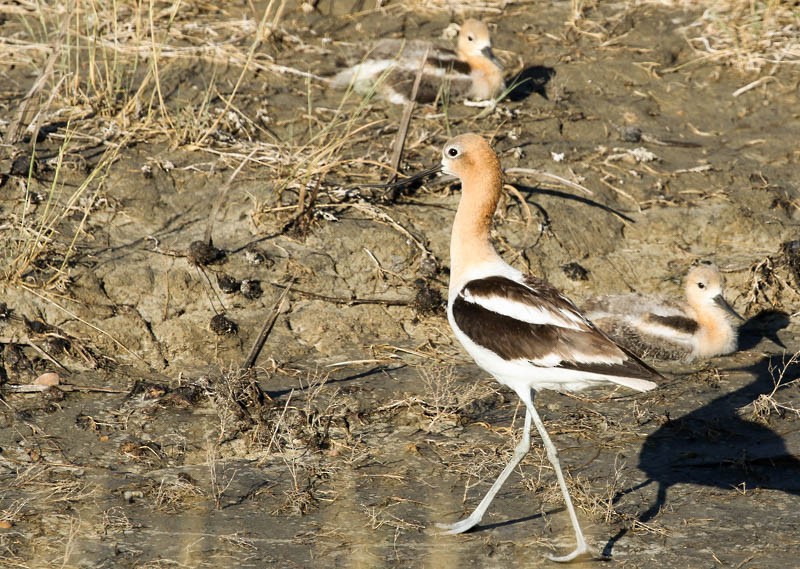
518	327
472	71
703	327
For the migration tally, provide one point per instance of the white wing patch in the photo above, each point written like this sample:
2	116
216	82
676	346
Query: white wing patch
527	312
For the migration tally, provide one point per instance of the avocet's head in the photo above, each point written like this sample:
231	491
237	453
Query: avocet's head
704	289
474	41
469	157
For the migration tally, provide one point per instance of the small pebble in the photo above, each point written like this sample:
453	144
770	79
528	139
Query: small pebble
50	379
130	495
428	267
631	134
256	256
251	289
575	272
227	283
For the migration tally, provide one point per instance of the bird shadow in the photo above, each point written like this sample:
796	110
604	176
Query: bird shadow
765	324
571	197
715	446
533	79
486	527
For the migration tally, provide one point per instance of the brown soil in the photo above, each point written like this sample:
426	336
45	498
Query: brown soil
363	422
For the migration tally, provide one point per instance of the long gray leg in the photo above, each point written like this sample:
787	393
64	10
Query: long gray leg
519	453
552	454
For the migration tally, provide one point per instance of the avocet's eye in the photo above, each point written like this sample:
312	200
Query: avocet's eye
452	152
470	37
701	285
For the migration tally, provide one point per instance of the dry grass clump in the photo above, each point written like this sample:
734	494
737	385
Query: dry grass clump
110	59
175	494
748	34
445	397
44	232
93	78
114	521
767	405
770	284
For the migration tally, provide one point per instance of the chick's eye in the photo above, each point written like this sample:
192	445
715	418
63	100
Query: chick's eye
701	285
452	152
471	37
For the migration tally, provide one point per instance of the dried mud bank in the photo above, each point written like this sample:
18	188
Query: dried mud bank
362	423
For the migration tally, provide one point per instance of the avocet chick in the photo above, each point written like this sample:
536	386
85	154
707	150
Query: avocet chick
472	71
702	327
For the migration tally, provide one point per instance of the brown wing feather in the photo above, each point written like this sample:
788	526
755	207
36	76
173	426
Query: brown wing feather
512	339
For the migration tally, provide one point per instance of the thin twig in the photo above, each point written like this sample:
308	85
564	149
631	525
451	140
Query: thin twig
86	323
526	209
258	345
402	132
542	174
347	301
379	215
23	388
752	85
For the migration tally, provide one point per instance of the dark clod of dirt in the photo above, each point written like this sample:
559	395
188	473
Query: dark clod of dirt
791	251
251	289
222	325
148	390
37	326
182	397
202	253
427	300
15	360
631	134
228	284
5	311
575	272
23	164
53	395
428	267
58	345
86	422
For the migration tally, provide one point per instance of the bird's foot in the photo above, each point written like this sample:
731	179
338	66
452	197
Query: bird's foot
458	527
485	104
581	552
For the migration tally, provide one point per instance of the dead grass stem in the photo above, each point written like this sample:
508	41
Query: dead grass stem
767	404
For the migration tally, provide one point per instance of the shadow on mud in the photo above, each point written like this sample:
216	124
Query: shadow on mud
533	79
715	446
532	190
765	324
376	370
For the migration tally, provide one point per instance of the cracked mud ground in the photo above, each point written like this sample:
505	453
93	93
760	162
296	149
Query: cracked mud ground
362	422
